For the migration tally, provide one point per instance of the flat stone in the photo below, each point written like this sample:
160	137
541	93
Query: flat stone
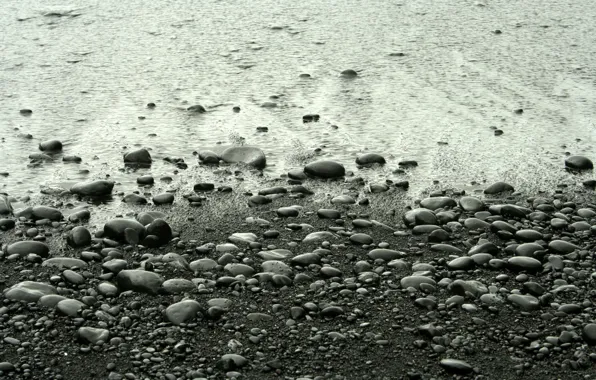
522	263
23	248
562	246
93	188
434	203
114	229
306	259
459	367
325	169
29	291
368	159
138	157
315	237
45	212
93	335
420	216
385	254
64	262
498	187
524	302
578	163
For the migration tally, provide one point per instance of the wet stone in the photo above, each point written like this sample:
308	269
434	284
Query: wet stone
325	169
247	155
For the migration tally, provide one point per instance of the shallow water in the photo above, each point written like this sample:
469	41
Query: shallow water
88	69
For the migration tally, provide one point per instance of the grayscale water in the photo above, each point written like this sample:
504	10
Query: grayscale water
87	69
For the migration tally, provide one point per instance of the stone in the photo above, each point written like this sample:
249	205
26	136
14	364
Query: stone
368	159
50	146
325	169
578	163
163	199
229	362
139	281
45	212
420	216
146	180
93	188
315	237
385	254
161	229
147	217
349	73
183	311
498	187
202	265
64	262
135	199
524	302
455	366
23	248
248	155
197	108
416	282
589	334
434	203
326	213
471	204
115	228
70	307
208	157
138	157
562	246
523	263
93	335
79	237
29	291
5	206
306	259
236	269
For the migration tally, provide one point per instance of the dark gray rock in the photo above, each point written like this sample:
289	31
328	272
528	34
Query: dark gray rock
163	199
522	263
248	155
579	163
79	237
45	212
385	254
368	159
420	216
135	199
115	228
93	188
138	157
5	206
29	291
93	335
325	169
458	367
471	204
434	203
51	146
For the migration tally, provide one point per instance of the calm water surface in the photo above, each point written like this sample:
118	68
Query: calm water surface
87	69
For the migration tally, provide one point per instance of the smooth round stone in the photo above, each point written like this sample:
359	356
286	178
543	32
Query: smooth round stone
325	169
235	269
208	157
7	367
182	311
558	223
242	238
107	289
528	249
197	108
319	236
44	212
64	262
275	254
376	188
471	204
178	285
325	213
202	265
229	362
146	180
484	247
297	174
50	146
332	311
259	200
522	263
5	206
482	258
349	73
475	224
287	212
463	288
139	157
529	235
424	229
79	237
579	163
498	187
416	282
248	155
370	159
524	302
161	229
139	281
70	307
438	235
343	200
135	199
586	213
434	203
163	199
93	335
455	366
512	211
562	246
74	159
385	254
447	248
589	334
306	259
93	188
29	291
361	239
362	223
461	263
23	248
580	226
420	216
114	229
51	300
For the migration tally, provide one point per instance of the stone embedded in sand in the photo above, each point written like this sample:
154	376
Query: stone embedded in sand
197	108
93	188
139	157
29	291
370	159
183	311
51	146
114	229
93	335
579	163
498	187
23	248
44	212
349	73
248	155
140	281
325	169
